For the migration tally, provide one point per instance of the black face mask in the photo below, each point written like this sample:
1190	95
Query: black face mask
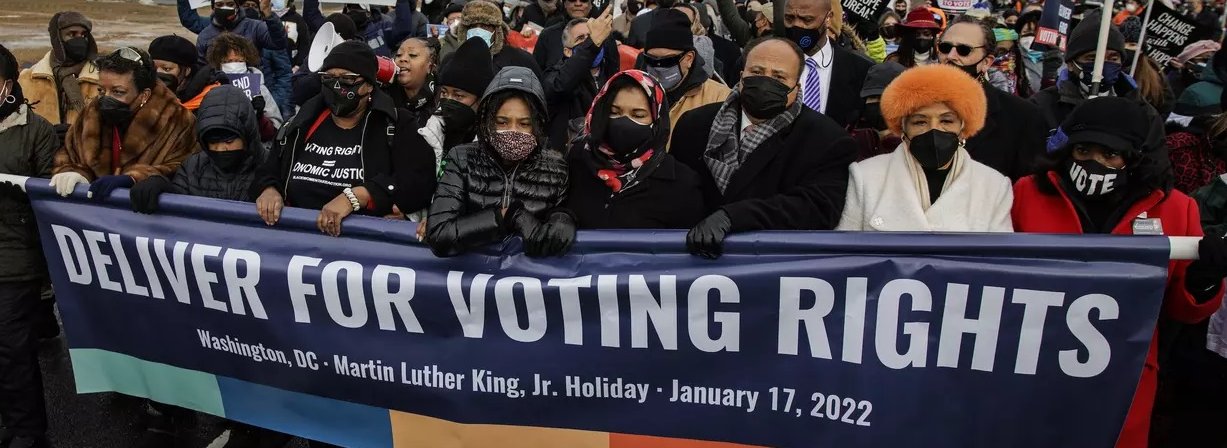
251	13
114	112
763	97
923	45
806	38
873	116
171	81
1092	181
934	149
76	49
226	17
342	101
457	117
228	161
971	70
625	138
634	7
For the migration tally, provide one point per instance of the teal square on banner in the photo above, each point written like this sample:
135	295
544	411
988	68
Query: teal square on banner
103	371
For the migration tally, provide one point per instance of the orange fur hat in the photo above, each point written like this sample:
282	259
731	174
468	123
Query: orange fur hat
937	83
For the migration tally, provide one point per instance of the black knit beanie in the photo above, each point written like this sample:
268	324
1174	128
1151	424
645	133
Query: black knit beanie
344	26
354	56
1085	37
174	49
670	29
470	68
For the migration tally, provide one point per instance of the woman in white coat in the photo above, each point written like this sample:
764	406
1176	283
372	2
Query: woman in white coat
929	183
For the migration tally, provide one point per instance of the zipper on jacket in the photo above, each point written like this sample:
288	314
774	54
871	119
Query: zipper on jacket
285	191
509	179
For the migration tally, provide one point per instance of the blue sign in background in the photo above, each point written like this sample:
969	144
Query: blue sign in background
913	406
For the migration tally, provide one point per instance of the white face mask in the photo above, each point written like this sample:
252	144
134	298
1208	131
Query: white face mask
234	68
1026	42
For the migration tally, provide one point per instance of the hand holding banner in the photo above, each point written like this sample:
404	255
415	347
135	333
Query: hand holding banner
815	339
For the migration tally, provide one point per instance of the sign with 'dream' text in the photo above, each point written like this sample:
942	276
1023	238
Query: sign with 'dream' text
790	339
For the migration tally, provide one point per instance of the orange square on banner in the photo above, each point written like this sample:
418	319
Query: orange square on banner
414	431
634	441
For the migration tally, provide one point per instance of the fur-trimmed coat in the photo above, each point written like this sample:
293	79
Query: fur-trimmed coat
161	136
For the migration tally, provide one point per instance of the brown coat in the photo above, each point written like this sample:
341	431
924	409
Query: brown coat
38	84
161	136
711	91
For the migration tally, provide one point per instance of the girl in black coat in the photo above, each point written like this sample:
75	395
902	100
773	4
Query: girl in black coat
621	176
506	183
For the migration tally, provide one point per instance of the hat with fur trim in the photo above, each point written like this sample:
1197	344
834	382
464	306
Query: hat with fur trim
937	83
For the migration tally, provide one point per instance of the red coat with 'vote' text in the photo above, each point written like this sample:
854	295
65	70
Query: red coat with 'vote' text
1037	212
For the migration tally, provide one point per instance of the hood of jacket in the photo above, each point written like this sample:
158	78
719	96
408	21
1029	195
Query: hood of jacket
65	19
512	79
227	107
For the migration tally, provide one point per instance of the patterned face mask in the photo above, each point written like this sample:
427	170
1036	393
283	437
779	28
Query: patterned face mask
513	146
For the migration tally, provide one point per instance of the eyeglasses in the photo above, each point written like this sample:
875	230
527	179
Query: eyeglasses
346	80
130	54
963	49
667	61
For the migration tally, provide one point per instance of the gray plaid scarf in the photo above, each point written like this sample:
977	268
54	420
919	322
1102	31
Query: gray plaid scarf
725	152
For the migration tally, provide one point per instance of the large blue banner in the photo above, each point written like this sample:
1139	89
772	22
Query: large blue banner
790	339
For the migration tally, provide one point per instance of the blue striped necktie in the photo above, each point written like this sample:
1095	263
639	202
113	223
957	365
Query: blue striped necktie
813	86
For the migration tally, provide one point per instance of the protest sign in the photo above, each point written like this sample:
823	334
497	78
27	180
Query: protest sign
955	5
1169	32
1053	28
865	10
249	82
197	4
790	339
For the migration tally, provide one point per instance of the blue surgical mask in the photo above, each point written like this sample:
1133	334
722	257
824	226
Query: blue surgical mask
483	34
279	5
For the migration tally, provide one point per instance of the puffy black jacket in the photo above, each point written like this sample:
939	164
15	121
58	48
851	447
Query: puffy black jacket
27	147
475	185
224	107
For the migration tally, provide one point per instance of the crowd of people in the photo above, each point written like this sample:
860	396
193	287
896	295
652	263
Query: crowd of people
539	119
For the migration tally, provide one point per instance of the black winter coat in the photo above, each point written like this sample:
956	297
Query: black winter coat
570	88
25	150
533	13
1013	137
225	107
848	71
796	180
670	198
475	187
394	175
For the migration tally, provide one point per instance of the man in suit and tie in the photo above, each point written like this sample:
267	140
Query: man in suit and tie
832	77
765	161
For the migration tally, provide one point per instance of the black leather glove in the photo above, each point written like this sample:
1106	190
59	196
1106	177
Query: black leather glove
13	192
1205	276
103	186
144	194
706	239
553	238
520	221
258	103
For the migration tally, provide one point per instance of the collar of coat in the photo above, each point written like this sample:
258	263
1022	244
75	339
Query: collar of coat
1124	225
18	118
43	69
161	129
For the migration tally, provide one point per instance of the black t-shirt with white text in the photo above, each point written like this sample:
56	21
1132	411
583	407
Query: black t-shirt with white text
330	161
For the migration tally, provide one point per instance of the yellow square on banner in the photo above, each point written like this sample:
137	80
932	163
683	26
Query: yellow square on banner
416	431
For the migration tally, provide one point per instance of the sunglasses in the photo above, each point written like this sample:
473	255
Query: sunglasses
130	54
963	49
668	61
348	80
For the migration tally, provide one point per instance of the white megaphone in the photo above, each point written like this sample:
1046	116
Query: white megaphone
325	40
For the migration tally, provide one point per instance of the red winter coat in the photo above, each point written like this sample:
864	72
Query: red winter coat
1037	212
